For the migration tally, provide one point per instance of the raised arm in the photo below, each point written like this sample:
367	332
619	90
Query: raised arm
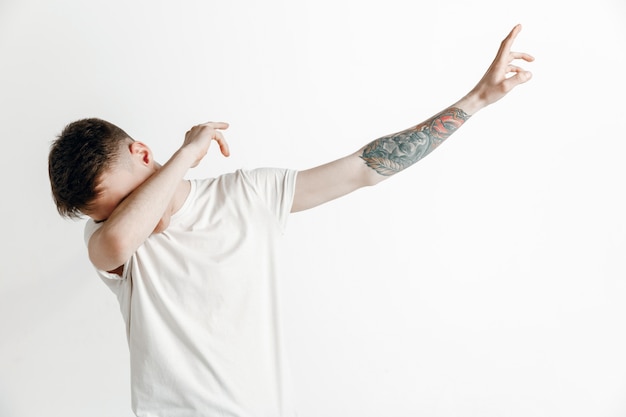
148	195
393	153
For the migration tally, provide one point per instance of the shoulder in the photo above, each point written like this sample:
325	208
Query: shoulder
90	227
249	177
270	175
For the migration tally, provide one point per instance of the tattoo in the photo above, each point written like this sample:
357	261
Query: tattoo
393	153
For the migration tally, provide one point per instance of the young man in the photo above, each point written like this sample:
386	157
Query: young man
193	262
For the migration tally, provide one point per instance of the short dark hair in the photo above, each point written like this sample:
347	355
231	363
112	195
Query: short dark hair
78	157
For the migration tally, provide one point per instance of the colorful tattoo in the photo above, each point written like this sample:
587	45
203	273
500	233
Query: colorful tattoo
393	153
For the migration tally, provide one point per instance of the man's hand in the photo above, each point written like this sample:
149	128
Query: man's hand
502	76
198	139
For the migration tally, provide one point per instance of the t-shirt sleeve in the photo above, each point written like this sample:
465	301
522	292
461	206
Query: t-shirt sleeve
275	187
90	227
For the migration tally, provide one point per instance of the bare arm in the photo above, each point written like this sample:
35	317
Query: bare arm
135	218
393	153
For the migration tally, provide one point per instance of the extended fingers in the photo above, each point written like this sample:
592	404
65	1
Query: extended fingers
219	138
521	55
216	125
212	130
217	135
510	38
506	56
505	53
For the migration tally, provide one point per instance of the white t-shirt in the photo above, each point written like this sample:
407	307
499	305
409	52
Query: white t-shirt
200	302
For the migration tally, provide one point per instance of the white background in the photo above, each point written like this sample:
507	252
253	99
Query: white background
488	280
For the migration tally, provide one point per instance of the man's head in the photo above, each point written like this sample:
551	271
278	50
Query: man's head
84	160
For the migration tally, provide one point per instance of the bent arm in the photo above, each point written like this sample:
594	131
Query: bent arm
393	153
135	218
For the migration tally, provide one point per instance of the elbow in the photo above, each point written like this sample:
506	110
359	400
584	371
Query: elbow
372	178
108	251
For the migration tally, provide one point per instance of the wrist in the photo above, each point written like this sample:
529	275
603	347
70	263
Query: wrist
185	155
471	103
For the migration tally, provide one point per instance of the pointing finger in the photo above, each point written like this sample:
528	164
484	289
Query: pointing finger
507	42
216	125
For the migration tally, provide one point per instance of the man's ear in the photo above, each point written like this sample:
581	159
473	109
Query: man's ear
141	151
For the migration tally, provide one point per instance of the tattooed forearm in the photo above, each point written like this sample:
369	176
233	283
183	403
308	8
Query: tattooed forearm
393	153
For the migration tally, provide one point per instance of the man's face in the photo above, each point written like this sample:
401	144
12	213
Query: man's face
115	185
134	167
